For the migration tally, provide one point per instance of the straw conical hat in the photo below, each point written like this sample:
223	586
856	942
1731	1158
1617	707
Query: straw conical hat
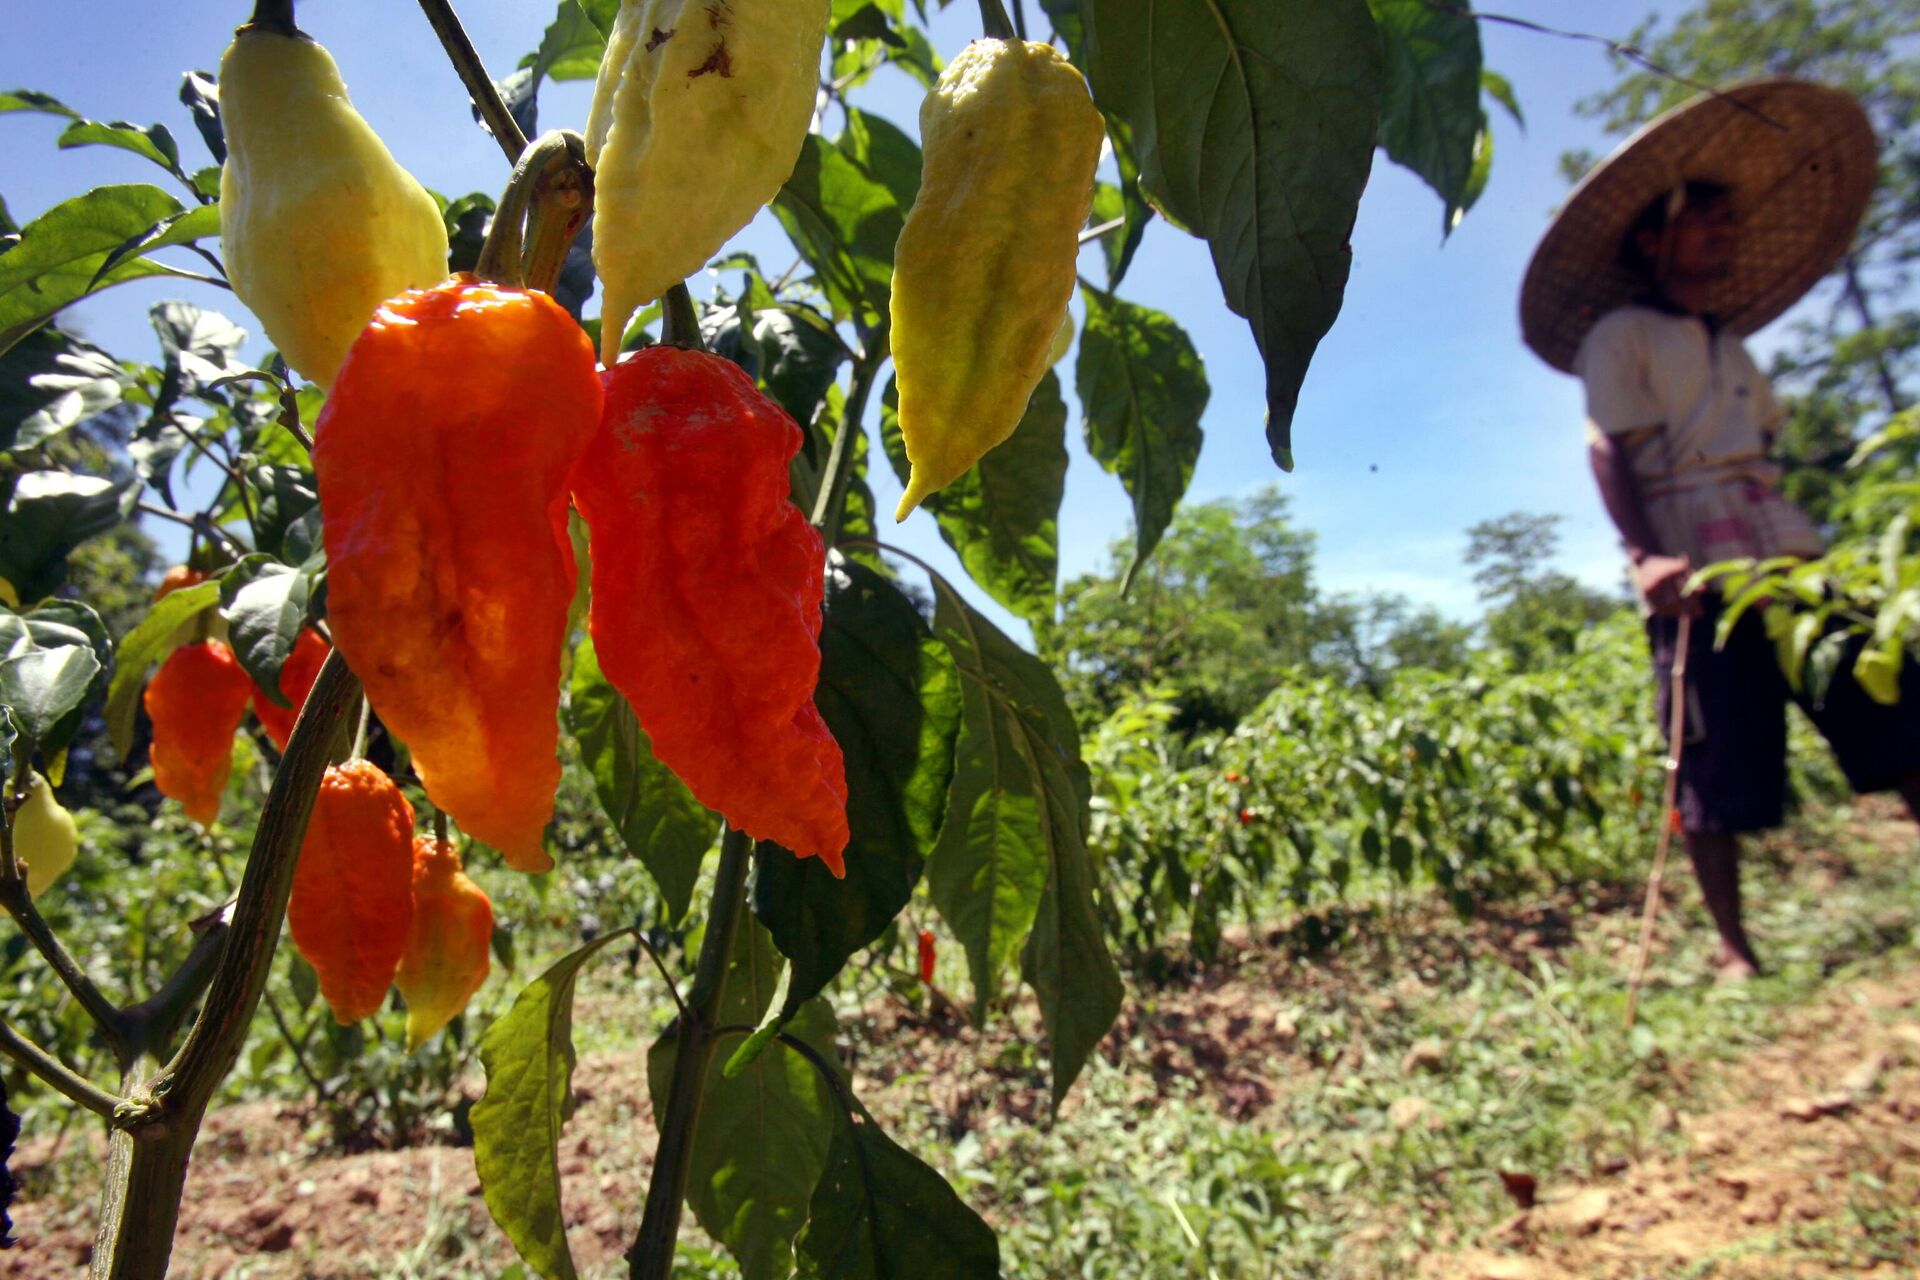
1800	161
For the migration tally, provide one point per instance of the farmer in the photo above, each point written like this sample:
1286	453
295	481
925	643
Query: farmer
1704	226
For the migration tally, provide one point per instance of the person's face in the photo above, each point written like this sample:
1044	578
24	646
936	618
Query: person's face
1701	242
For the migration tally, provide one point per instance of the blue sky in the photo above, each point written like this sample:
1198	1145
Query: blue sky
1422	414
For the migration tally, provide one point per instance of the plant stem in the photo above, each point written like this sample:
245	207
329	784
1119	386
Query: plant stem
994	23
679	322
651	1257
19	904
157	1125
56	1073
275	14
473	73
829	505
540	175
152	1022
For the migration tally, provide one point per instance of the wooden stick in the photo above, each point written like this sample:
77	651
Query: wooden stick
1676	734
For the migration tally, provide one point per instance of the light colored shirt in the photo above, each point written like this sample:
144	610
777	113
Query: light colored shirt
1696	418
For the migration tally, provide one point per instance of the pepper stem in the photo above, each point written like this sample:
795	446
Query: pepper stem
274	15
549	195
994	22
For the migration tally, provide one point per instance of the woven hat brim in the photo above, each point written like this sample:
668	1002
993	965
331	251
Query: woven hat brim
1800	161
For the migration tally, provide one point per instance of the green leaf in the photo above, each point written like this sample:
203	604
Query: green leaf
200	345
1034	804
1001	516
41	686
889	693
198	223
49	514
34	100
842	210
84	382
1431	106
59	254
880	1213
200	95
1500	89
1142	390
155	142
656	817
528	1055
140	648
265	603
570	48
286	495
1254	122
763	1133
71	618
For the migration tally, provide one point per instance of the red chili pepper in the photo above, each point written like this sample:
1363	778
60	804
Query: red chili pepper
1247	816
1234	776
926	956
707	584
1674	824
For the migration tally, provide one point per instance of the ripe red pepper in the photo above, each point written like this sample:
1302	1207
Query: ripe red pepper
196	702
927	957
707	584
297	675
442	457
351	908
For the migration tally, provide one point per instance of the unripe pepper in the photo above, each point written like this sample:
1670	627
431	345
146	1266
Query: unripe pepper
44	837
446	957
297	675
984	268
319	224
196	702
351	908
441	458
698	115
707	584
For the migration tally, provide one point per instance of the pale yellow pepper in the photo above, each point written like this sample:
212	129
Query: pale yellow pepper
699	112
984	268
318	222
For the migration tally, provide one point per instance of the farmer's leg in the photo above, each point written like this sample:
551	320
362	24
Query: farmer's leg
1732	759
1716	864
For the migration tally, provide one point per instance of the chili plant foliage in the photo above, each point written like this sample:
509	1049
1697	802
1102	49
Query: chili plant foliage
935	750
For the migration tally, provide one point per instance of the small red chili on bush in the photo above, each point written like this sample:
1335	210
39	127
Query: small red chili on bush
1234	776
1248	815
926	956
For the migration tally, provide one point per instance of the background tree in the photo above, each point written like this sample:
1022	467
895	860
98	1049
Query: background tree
1533	612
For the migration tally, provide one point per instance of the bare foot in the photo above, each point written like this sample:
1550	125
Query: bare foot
1733	967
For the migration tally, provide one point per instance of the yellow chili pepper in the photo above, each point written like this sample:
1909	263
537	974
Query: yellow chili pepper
984	268
319	223
698	114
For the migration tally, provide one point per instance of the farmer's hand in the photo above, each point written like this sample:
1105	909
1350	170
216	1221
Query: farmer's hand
1662	581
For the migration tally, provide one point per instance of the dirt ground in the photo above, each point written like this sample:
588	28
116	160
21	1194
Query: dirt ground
1800	1139
1819	1127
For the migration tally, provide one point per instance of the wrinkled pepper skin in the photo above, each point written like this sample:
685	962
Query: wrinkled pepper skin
351	908
442	458
707	584
984	267
196	702
698	115
446	957
319	224
297	675
44	837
